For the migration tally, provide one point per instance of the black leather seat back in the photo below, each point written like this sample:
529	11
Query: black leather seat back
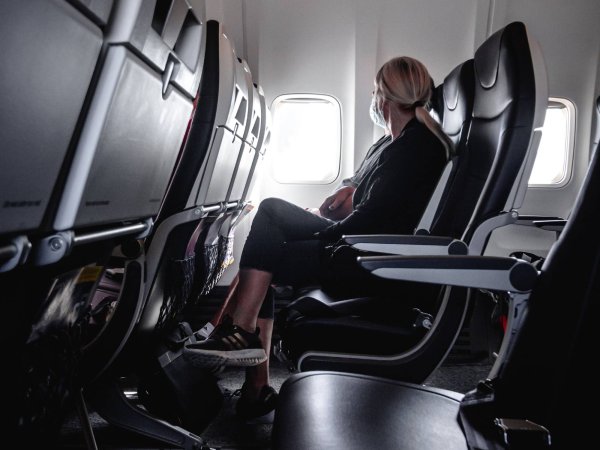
457	101
503	112
507	106
454	100
543	379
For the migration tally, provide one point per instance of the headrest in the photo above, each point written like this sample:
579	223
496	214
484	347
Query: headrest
500	62
454	83
487	59
458	89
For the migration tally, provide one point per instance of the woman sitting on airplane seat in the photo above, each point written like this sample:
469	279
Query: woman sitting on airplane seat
389	194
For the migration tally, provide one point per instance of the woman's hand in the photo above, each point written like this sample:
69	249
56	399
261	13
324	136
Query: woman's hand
338	206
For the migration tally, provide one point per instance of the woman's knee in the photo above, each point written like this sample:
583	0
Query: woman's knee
271	203
270	206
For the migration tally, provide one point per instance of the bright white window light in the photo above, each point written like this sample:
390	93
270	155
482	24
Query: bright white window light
306	141
553	160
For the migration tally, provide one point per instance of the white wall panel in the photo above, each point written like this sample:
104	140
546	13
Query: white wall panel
335	47
437	32
305	47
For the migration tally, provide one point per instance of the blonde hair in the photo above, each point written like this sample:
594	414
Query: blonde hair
406	82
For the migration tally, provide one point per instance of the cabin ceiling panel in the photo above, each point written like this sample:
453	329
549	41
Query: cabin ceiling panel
437	32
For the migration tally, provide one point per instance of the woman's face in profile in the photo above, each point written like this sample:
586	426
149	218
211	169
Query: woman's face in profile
376	109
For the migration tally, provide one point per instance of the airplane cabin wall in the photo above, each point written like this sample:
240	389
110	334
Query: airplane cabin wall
335	47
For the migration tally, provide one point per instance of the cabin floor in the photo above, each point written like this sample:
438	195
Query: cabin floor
464	367
226	432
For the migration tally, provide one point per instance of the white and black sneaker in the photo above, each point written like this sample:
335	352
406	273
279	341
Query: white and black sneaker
228	345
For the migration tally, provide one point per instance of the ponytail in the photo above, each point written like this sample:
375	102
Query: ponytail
406	82
425	118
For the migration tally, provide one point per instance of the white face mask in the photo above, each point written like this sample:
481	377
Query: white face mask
376	114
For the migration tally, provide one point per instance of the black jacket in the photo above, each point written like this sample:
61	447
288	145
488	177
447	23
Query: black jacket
394	191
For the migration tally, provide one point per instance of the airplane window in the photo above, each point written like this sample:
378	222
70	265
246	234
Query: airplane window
553	161
306	139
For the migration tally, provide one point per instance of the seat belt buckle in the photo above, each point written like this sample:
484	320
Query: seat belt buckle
422	319
282	356
523	434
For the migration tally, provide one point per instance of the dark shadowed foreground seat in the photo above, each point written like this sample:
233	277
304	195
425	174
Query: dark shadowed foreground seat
533	397
105	92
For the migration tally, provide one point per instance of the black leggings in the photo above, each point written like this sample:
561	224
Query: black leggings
281	241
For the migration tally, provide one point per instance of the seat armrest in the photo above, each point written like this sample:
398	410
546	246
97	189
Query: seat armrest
7	252
484	272
511	275
14	252
551	225
532	217
530	220
407	244
548	223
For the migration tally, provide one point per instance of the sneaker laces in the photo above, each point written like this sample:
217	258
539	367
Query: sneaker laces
230	394
226	326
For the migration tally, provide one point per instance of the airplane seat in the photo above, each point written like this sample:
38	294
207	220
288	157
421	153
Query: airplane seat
244	180
108	145
137	119
132	136
457	94
176	252
528	398
261	147
173	394
213	185
539	378
436	103
367	313
251	154
249	138
116	170
457	102
508	110
219	239
53	49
